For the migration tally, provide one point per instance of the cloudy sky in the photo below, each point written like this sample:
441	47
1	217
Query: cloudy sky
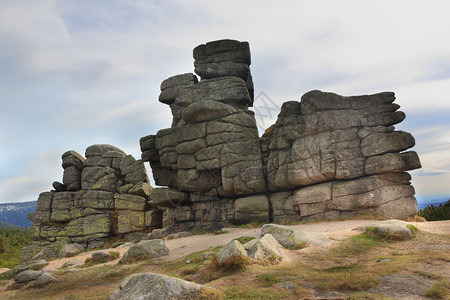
77	73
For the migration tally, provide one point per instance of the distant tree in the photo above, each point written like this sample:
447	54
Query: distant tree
3	245
436	213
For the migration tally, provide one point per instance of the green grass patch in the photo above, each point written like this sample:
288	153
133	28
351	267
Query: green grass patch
244	239
298	246
269	279
367	296
440	290
358	244
200	231
247	226
250	292
428	275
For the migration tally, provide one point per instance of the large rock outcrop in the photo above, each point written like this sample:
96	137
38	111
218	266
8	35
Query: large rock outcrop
106	193
326	156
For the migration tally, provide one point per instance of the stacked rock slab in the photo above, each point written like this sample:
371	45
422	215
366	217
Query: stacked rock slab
211	155
104	194
334	156
326	156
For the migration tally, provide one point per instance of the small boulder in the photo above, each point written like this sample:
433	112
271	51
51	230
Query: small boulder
70	250
32	278
74	262
161	287
265	247
145	249
46	253
27	276
390	229
99	257
230	252
44	279
28	265
290	237
158	233
135	237
179	235
58	186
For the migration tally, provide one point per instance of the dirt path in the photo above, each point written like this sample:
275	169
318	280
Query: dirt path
336	230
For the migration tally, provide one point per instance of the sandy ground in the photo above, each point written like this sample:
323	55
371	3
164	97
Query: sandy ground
336	230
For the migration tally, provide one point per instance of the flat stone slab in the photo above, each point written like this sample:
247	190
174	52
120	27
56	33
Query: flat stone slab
158	287
403	286
390	227
288	236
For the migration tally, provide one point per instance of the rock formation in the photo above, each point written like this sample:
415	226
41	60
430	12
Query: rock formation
104	194
326	156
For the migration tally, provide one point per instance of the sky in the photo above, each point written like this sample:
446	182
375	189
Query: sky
78	73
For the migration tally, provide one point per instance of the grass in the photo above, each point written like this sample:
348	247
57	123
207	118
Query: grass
267	280
242	292
215	232
299	245
440	290
352	267
113	255
245	239
359	244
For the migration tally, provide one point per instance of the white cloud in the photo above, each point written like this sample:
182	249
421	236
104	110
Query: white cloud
78	73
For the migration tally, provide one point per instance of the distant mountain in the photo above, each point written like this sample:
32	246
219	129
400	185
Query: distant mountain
16	213
427	200
9	225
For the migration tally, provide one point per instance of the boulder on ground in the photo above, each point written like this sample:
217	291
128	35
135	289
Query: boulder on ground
230	252
161	287
70	250
46	253
99	256
145	250
265	247
391	229
290	237
32	278
29	265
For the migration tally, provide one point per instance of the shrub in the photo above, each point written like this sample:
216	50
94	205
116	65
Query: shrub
13	239
436	213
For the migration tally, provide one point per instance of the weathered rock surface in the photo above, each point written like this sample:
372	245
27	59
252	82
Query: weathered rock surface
106	194
327	156
290	237
146	249
403	286
29	265
232	251
99	256
32	278
396	229
264	247
70	250
158	286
